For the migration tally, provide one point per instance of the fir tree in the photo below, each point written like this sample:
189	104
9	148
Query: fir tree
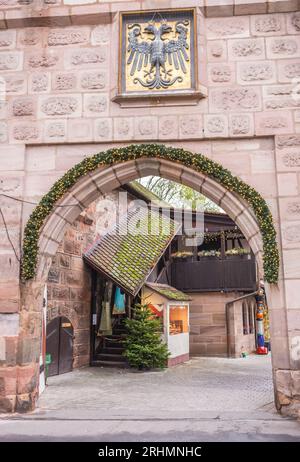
144	347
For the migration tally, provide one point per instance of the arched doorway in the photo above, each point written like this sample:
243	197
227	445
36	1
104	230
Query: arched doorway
109	170
59	345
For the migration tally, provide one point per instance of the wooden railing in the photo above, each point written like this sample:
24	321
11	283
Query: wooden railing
214	274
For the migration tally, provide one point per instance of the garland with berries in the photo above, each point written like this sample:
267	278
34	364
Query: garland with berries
197	162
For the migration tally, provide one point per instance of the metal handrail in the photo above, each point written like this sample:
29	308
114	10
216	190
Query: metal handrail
228	305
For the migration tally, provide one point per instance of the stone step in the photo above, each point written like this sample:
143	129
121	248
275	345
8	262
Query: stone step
118	364
110	357
112	350
120	331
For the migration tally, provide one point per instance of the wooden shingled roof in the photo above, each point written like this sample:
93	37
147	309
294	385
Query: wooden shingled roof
169	292
129	251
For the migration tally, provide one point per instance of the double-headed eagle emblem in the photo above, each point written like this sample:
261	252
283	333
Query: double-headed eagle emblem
155	53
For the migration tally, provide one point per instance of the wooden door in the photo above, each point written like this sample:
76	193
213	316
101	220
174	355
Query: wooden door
60	345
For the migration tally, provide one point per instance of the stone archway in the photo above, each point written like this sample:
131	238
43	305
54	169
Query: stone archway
102	179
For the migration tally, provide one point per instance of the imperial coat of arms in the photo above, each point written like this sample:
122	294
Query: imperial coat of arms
157	52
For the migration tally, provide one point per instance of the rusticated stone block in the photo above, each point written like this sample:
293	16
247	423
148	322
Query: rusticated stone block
11	61
190	126
80	130
256	72
86	57
289	208
267	24
291	236
60	106
53	275
22	107
123	128
9	264
246	49
68	36
283	47
15	84
270	123
100	34
39	82
215	126
82	336
281	102
11	185
227	27
287	184
60	293
217	50
55	130
11	351
95	105
288	159
27	378
29	37
292	291
93	80
28	350
7	39
9	324
168	127
235	99
21	132
103	129
43	60
74	278
145	128
221	74
288	70
12	209
285	141
64	260
293	23
64	81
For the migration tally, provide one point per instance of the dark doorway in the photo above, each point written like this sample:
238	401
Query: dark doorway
60	345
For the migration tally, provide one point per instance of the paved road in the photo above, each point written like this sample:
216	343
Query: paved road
204	400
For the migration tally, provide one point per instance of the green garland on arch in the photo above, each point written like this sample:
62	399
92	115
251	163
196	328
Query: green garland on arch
197	162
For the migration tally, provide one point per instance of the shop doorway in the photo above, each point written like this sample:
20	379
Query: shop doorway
59	345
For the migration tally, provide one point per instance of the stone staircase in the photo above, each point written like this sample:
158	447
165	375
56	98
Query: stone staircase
111	352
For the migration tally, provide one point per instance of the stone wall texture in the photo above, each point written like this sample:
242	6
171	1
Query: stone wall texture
208	330
59	76
69	284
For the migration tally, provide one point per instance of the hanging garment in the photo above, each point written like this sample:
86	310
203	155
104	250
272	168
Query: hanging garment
119	303
105	324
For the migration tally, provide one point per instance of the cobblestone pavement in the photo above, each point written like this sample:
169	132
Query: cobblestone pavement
212	384
206	399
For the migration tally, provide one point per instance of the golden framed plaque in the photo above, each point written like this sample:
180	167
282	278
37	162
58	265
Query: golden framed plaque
157	53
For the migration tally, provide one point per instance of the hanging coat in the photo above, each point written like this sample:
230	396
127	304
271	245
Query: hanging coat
119	302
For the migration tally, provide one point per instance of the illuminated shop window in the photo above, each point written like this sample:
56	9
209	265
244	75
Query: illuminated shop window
178	319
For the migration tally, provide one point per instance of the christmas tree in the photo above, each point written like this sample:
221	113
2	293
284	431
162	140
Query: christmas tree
144	347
